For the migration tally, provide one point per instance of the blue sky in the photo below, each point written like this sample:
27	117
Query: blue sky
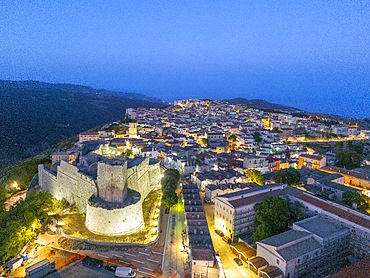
314	55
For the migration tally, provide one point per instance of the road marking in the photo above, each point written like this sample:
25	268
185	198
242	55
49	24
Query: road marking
122	261
153	261
103	256
158	253
119	256
147	269
128	254
146	254
140	262
146	273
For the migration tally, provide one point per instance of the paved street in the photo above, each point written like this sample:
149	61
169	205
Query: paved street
12	201
230	268
173	258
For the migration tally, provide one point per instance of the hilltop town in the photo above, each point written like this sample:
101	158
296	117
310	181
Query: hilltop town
231	158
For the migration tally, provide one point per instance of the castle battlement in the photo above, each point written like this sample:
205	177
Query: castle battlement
109	190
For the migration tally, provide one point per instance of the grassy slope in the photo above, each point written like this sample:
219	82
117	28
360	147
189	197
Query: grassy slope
33	119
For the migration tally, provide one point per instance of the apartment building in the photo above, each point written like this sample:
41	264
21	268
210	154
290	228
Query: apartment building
311	244
311	161
234	213
259	163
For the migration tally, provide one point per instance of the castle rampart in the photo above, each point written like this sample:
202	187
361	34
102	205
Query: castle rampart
115	220
118	212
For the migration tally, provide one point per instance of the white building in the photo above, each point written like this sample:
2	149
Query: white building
312	243
259	163
234	213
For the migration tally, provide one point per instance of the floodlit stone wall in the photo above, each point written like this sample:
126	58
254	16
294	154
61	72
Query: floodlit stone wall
47	180
75	186
144	178
111	185
119	221
112	182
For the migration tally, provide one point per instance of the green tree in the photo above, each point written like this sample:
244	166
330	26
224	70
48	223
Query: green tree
272	217
340	144
22	174
289	176
349	159
255	176
21	223
169	183
170	199
233	137
350	198
204	142
356	146
257	137
129	154
117	128
297	211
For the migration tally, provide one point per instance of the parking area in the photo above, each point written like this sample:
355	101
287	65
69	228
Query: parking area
77	270
145	260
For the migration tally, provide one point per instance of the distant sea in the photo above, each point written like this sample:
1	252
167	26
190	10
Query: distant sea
347	106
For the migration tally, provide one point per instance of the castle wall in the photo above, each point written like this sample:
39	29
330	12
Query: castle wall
119	221
74	186
140	184
144	178
155	175
48	181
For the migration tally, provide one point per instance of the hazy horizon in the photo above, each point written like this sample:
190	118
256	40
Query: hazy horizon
312	55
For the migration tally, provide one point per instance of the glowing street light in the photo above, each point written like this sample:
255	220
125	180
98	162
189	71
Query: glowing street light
15	185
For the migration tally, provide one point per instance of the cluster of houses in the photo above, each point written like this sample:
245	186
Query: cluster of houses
315	243
213	143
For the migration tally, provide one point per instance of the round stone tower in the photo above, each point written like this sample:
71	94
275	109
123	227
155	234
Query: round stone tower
114	209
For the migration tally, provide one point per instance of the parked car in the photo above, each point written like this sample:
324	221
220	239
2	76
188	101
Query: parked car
238	261
125	272
220	233
226	239
110	267
91	262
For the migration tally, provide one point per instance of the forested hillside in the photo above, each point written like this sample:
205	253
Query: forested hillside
35	116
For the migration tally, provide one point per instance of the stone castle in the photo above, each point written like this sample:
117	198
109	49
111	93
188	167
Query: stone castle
110	191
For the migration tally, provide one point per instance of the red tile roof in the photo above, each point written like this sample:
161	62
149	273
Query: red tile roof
359	270
341	211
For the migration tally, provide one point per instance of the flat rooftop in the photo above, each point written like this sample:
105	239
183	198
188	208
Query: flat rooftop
319	226
284	238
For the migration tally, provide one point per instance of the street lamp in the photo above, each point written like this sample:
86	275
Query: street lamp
15	185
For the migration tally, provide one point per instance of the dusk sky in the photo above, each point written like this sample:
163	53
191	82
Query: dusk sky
313	55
